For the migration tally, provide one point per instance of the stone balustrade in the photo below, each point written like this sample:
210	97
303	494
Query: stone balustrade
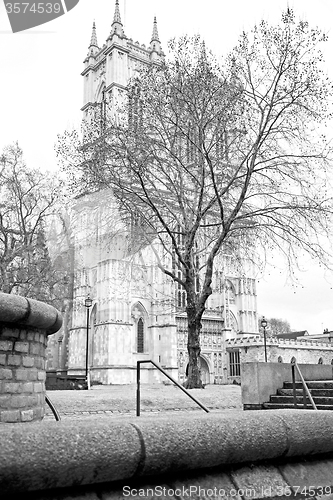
24	327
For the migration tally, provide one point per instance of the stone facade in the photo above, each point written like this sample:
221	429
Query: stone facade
137	312
109	68
132	298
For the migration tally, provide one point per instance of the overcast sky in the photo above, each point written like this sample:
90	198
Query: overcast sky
41	95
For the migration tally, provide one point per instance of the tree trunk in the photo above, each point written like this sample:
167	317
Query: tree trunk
193	348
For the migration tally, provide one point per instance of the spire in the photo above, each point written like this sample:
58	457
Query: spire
116	17
93	46
154	37
117	25
155	44
93	41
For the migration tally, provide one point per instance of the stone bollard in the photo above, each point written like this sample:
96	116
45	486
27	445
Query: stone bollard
24	327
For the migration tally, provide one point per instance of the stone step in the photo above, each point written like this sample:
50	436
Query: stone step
321	392
299	392
275	406
313	384
289	399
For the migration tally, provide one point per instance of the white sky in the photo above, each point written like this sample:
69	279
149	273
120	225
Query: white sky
41	95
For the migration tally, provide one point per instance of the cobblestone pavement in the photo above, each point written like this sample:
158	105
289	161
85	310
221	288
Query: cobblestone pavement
120	400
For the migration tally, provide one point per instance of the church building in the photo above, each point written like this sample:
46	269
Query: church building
123	307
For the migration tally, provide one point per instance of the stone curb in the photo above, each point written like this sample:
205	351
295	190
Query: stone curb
55	455
29	312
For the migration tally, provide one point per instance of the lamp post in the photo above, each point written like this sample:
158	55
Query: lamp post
88	304
264	325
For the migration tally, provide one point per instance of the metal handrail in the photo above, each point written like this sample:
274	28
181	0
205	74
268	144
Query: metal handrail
138	364
53	408
306	391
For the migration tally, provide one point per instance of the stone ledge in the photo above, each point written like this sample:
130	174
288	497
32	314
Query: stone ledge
29	312
51	455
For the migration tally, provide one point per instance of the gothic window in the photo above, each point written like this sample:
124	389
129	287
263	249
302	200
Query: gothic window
100	96
136	219
280	360
139	315
209	326
230	295
231	321
135	117
179	237
178	145
234	364
140	335
320	361
181	297
180	293
221	149
219	282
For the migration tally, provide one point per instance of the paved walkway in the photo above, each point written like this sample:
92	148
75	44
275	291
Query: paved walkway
120	400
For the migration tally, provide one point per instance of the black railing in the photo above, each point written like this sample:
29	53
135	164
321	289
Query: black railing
138	364
305	388
53	408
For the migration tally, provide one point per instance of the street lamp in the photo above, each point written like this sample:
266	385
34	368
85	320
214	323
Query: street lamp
264	325
88	304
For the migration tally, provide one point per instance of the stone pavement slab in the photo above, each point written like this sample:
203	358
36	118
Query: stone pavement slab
156	399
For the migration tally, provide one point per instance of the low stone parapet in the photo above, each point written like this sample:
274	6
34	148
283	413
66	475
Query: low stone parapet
24	327
282	350
262	380
268	453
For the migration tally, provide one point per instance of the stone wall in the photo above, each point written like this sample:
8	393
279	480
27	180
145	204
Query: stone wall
252	349
261	380
24	326
243	455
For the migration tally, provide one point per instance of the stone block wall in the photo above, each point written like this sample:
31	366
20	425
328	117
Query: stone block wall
22	375
24	326
282	350
262	380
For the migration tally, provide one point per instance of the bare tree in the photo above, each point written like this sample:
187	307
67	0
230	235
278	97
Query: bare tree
275	326
212	158
27	198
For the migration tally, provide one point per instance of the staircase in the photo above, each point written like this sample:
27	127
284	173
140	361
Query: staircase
321	392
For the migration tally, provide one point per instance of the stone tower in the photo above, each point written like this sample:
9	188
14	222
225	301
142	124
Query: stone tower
109	68
138	312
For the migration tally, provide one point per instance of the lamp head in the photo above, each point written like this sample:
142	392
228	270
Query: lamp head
88	302
263	322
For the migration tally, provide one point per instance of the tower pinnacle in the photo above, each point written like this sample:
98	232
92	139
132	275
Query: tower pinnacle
93	41
93	46
154	37
155	44
117	25
116	17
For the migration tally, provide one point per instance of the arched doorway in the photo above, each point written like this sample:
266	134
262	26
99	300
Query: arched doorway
203	365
